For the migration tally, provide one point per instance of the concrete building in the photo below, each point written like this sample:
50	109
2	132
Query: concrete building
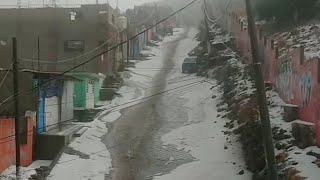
86	90
55	99
67	37
64	33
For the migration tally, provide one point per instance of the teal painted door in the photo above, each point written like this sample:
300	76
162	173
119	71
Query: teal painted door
79	94
40	123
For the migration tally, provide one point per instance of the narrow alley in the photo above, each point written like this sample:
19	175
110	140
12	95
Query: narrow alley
162	137
159	90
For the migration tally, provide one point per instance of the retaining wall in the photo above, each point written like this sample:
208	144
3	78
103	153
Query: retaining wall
295	77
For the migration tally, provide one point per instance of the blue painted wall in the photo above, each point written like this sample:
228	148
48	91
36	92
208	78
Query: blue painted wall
41	124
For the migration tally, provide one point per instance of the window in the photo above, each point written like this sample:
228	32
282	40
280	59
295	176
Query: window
74	45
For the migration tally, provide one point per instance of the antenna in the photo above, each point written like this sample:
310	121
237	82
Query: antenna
97	1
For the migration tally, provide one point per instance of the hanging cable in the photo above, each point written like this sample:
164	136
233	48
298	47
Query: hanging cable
99	54
73	58
4	78
207	16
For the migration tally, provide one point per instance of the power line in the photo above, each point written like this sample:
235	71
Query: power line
112	48
4	78
125	91
62	124
133	101
207	16
138	89
6	100
113	110
135	138
73	58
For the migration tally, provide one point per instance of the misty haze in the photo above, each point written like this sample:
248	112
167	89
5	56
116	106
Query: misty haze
159	90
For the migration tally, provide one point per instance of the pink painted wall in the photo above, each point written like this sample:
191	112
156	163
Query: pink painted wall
7	144
297	83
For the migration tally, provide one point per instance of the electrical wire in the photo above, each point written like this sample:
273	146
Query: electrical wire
113	110
135	138
4	78
129	92
233	51
62	124
133	101
125	92
70	59
207	16
99	54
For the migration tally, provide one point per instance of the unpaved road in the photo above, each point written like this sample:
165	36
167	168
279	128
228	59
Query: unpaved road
140	154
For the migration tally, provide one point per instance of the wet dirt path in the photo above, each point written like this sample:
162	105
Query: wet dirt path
141	154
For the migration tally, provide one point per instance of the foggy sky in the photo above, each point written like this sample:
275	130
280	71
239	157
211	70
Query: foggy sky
123	4
192	14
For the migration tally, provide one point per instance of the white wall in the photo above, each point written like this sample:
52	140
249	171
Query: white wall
51	113
90	95
67	101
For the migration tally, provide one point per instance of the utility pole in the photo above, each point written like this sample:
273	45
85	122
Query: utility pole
38	86
128	40
16	89
262	99
38	44
205	20
16	105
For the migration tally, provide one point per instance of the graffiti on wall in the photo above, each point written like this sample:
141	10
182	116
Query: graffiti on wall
305	88
284	81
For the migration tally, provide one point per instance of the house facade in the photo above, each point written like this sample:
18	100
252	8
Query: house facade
55	100
67	37
86	90
52	40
